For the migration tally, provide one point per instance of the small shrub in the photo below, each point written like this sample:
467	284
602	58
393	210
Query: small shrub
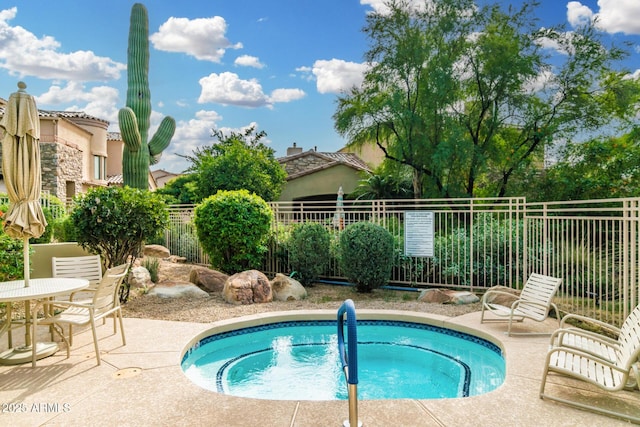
11	258
64	230
152	264
366	255
233	227
114	222
309	251
48	230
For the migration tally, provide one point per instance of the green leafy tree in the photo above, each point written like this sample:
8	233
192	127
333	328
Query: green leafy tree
182	190
233	228
239	161
468	97
383	184
114	222
594	169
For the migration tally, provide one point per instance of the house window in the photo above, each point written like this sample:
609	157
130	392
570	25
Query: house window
99	167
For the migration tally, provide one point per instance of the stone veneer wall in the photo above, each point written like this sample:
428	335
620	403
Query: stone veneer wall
303	164
60	163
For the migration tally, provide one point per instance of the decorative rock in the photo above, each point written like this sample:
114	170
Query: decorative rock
247	287
139	277
208	279
287	289
157	251
179	290
447	296
502	298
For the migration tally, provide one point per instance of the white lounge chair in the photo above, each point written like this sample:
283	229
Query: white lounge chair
105	302
535	302
610	375
598	344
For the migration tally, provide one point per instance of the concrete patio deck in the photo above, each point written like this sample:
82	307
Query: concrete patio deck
141	384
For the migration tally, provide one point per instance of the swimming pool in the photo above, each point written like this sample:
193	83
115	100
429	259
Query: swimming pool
296	359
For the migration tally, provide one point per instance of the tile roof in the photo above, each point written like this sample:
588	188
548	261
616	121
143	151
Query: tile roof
64	114
325	160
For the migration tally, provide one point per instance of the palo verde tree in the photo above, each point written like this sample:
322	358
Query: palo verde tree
238	161
469	97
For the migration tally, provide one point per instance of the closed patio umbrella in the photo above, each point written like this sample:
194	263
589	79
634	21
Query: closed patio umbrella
24	219
21	169
338	216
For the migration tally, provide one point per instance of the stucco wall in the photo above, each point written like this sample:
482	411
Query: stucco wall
42	253
326	181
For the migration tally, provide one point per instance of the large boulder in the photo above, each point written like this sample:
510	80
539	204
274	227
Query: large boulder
247	287
157	251
447	296
287	289
140	278
179	290
208	279
506	296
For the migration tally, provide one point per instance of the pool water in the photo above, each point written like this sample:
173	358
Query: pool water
299	360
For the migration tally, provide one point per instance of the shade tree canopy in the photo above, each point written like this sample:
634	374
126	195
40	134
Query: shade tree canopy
469	98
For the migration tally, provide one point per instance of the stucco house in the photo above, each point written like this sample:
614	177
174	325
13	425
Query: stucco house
77	153
162	176
314	175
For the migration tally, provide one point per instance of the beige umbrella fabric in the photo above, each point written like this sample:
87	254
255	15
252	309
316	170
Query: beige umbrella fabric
21	169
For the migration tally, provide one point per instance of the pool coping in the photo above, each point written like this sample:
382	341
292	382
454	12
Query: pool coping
142	384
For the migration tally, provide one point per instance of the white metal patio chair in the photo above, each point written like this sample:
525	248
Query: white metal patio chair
105	302
611	375
87	267
535	302
79	267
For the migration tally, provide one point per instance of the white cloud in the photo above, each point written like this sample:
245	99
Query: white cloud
248	61
24	54
100	101
337	75
229	89
202	38
578	14
619	16
380	6
286	95
613	16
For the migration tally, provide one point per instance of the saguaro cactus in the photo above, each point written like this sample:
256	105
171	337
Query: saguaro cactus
134	118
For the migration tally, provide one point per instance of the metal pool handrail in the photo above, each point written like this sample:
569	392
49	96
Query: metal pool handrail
349	358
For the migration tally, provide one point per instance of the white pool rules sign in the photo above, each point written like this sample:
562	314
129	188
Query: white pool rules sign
418	233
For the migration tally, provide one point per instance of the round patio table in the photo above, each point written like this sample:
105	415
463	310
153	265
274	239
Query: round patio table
38	291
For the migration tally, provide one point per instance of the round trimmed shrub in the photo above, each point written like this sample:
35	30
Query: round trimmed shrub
233	227
366	255
309	251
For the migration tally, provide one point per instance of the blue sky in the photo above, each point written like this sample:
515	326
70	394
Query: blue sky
223	64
